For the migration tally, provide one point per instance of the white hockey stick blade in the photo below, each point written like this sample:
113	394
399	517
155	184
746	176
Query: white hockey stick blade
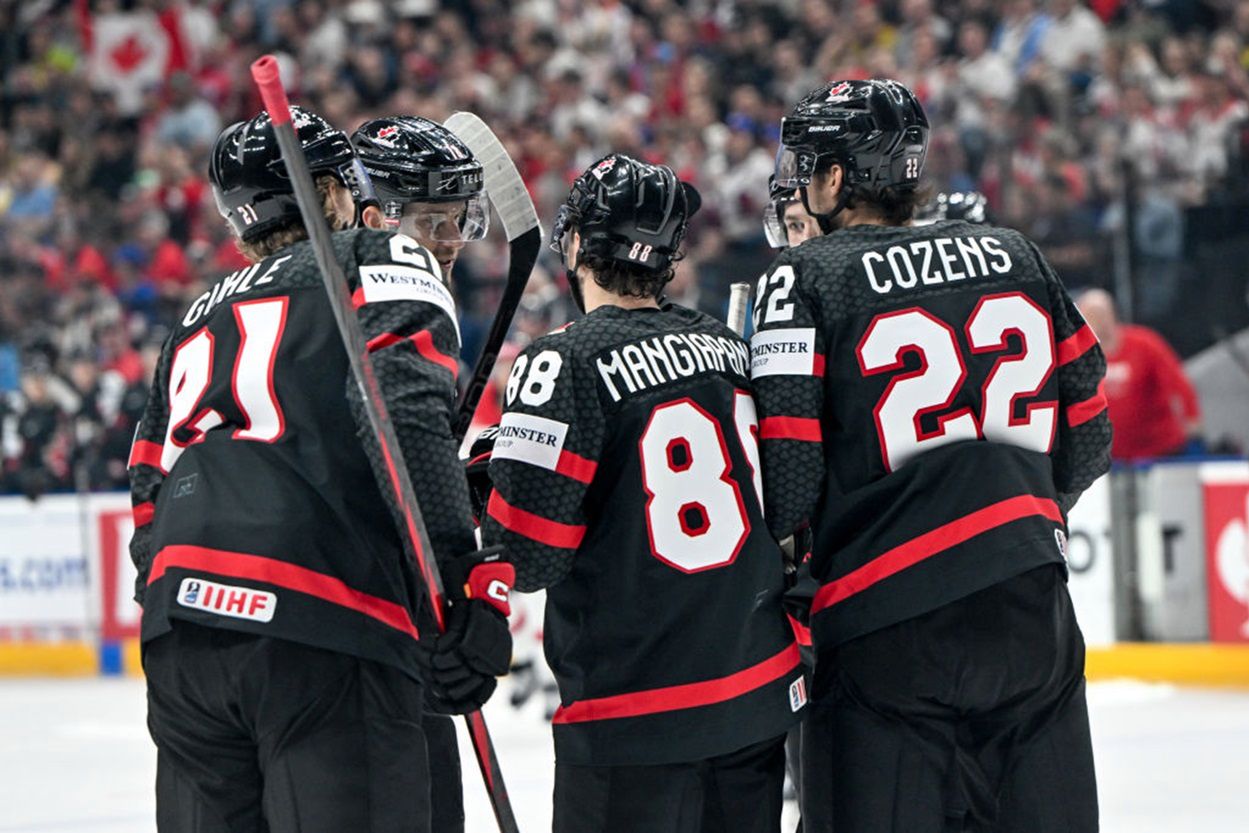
739	295
502	181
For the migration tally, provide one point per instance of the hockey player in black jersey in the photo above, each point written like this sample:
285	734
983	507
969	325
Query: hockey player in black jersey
626	483
287	643
427	182
428	185
929	410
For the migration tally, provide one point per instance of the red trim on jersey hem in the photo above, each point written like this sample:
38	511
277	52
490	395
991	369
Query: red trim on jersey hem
575	466
817	364
143	513
1082	412
145	453
687	696
1076	345
790	428
357	298
534	527
933	542
282	574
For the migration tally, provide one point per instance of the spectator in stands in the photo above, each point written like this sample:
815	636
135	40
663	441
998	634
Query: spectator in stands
190	121
107	231
1153	407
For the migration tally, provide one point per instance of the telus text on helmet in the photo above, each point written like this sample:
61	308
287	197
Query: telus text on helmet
936	261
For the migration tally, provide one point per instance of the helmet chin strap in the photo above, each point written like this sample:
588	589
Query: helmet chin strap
574	285
825	221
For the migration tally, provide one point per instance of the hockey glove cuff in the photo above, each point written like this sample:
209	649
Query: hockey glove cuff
463	662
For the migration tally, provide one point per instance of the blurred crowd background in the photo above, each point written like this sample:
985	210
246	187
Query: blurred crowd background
1116	135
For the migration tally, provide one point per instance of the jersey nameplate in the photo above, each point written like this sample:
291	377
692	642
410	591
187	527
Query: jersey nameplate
235	283
933	262
383	283
530	439
655	361
787	352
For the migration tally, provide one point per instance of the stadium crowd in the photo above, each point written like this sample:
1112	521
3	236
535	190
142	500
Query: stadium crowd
108	228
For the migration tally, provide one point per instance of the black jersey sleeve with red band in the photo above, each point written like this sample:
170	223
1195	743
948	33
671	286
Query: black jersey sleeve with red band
1081	452
788	365
408	317
544	458
145	472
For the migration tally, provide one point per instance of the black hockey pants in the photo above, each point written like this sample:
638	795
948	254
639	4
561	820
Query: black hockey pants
262	735
969	718
735	793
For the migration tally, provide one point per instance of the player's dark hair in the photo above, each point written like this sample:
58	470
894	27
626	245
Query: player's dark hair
293	231
895	206
620	279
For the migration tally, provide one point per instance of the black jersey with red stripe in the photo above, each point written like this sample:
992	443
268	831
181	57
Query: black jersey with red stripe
626	482
930	405
253	472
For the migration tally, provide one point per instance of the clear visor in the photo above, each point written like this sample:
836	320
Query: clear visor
221	206
794	167
561	232
774	224
461	221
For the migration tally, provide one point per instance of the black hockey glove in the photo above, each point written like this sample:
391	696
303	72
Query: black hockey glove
462	664
477	470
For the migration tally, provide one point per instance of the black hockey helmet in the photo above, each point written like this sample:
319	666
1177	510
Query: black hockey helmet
249	180
969	206
412	159
876	129
628	211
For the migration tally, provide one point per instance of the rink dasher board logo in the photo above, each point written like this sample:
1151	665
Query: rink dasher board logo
227	600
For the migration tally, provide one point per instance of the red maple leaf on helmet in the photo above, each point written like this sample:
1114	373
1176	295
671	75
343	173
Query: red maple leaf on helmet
838	91
387	132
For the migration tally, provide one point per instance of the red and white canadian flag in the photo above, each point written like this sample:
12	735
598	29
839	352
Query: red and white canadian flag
128	52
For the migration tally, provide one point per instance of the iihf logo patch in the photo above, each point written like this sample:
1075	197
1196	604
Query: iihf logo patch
797	694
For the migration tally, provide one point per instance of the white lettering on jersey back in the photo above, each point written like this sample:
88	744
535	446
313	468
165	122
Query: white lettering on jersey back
407	283
787	352
227	600
658	360
933	262
530	439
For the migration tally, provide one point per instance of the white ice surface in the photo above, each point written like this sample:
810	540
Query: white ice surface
75	756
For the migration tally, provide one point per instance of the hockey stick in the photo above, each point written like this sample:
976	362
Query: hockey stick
265	74
514	206
739	296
